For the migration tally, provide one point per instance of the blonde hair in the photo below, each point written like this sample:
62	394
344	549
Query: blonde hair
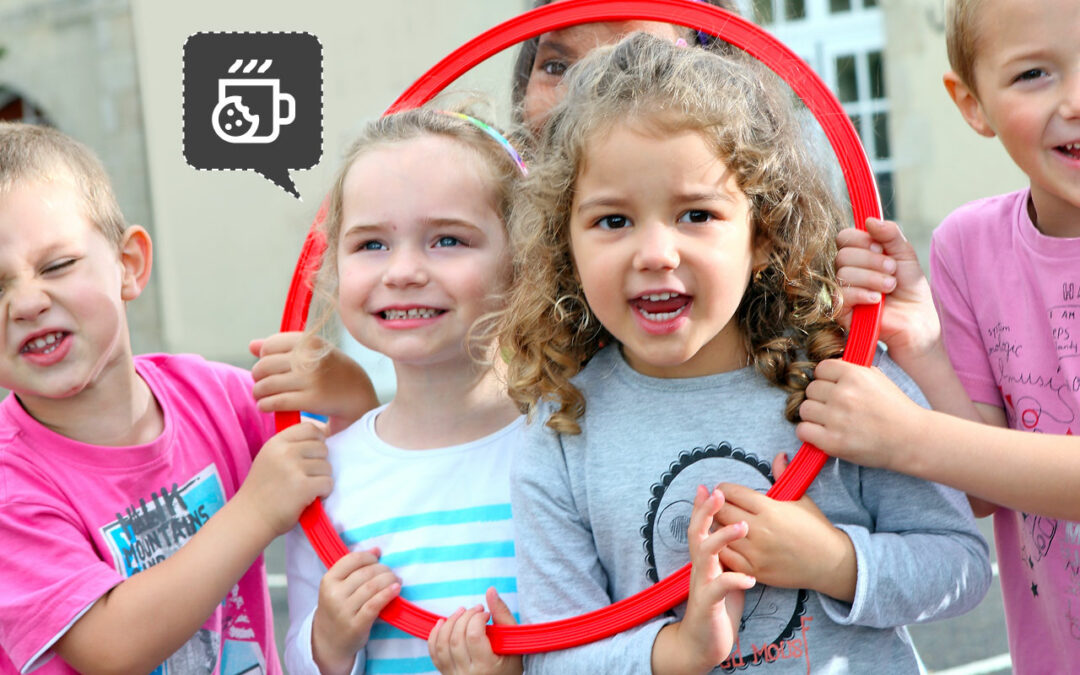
961	37
744	113
32	152
397	128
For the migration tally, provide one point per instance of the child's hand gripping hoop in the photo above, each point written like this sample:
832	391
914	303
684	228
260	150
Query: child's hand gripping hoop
862	338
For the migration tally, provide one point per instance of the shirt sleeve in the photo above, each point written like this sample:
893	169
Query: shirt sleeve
959	328
924	559
304	570
257	425
559	571
52	576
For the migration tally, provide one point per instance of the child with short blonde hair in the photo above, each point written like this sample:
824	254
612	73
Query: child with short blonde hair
1004	350
133	508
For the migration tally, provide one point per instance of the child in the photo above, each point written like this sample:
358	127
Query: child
112	464
417	253
1004	273
673	234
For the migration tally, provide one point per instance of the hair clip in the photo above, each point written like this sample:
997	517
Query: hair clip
681	43
494	134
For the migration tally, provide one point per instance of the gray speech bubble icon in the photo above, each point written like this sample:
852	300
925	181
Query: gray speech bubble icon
253	102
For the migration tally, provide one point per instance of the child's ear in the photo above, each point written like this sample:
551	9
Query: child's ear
136	258
968	103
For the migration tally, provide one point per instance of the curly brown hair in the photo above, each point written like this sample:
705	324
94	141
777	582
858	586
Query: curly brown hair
787	314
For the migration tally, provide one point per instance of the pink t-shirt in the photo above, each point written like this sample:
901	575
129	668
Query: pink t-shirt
1009	300
77	519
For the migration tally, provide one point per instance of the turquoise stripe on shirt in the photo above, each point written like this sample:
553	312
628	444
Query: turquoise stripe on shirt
453	589
441	554
421	664
476	514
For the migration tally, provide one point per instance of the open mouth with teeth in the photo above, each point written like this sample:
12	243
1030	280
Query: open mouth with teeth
44	344
661	307
1072	150
412	313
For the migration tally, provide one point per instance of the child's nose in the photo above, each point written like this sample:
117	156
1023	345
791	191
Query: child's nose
1070	102
657	248
26	302
405	268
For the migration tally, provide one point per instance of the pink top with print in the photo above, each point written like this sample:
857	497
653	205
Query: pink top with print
77	519
1009	300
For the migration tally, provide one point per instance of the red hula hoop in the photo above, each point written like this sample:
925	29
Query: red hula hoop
861	342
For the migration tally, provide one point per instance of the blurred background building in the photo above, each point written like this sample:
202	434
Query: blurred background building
109	72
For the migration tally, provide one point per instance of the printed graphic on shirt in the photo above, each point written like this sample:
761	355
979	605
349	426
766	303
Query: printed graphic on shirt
1045	401
147	533
773	624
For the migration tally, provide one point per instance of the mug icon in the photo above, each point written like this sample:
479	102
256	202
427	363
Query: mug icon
243	105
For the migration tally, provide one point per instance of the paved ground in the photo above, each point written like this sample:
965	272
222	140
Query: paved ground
973	644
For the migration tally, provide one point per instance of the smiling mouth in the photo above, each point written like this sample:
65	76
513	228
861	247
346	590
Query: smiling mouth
414	313
661	307
1070	149
44	344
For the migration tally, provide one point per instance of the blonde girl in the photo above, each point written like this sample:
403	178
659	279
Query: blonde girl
674	291
417	253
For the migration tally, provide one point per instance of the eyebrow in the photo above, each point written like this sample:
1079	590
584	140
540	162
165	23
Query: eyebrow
360	228
554	45
699	196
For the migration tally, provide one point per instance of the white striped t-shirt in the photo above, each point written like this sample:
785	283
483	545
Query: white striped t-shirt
442	520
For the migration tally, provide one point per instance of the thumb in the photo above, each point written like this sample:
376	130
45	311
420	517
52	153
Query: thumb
255	347
500	613
779	465
891	237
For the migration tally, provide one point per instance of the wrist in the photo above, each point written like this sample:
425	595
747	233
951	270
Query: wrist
838	575
330	658
671	655
245	506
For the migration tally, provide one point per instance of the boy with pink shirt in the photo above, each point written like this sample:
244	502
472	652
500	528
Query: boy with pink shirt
133	507
1006	279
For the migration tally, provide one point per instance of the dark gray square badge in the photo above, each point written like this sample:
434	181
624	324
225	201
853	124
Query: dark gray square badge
253	101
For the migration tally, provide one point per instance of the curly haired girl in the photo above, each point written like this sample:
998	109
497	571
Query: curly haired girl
673	292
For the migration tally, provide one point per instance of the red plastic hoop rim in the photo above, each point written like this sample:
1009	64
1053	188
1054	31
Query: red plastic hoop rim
862	338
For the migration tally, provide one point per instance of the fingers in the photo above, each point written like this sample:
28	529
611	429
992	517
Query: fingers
780	464
457	642
741	500
500	612
255	347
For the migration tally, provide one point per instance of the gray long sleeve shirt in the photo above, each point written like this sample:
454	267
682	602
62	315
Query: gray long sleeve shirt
602	515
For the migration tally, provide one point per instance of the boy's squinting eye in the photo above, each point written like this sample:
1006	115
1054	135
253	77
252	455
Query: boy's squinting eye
58	265
615	222
695	216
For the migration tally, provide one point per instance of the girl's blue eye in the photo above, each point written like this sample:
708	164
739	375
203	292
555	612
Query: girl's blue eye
447	240
371	245
695	216
613	222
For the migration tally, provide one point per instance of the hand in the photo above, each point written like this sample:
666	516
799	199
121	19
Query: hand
459	643
290	472
881	261
790	544
351	595
705	635
856	414
291	375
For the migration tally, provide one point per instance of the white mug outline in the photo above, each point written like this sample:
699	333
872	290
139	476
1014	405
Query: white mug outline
278	97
